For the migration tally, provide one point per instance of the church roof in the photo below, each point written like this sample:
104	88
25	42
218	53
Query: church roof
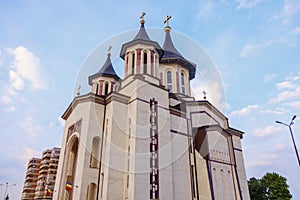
142	34
141	38
107	70
172	55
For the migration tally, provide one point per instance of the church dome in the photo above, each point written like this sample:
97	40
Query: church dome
172	55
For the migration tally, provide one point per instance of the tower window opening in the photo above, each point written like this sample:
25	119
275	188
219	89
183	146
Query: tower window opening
182	84
169	81
145	62
133	62
97	89
106	89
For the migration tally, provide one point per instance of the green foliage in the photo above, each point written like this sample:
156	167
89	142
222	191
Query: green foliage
271	186
256	190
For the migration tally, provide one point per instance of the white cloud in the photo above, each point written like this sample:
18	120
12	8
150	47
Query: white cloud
5	99
269	77
296	30
25	67
16	80
258	163
245	4
30	126
206	10
267	131
280	146
244	111
291	93
0	58
289	10
277	111
27	154
285	85
11	109
61	121
247	50
294	77
294	105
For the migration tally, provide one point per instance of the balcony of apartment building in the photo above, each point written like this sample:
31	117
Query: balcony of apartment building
52	171
34	160
46	154
55	157
32	171
44	170
29	186
28	191
31	177
42	176
33	165
44	166
39	194
28	196
53	167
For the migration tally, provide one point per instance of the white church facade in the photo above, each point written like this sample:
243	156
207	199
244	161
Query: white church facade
145	137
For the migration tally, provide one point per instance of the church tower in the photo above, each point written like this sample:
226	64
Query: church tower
105	80
141	55
175	71
145	136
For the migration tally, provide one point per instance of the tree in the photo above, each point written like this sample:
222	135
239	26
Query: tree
256	190
276	187
271	186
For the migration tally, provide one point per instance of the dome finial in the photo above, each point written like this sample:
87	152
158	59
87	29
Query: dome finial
78	90
142	18
108	51
204	94
167	28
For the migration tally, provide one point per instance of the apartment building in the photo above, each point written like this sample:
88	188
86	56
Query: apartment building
41	175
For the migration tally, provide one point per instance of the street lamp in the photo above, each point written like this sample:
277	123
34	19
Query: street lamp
291	123
6	187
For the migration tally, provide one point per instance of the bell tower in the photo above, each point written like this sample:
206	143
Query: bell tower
105	80
141	55
175	71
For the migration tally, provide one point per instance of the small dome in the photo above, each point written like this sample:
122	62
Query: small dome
107	70
171	55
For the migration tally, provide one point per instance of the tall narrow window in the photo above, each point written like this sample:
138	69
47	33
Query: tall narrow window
91	191
169	81
106	88
145	62
95	154
132	62
97	88
182	83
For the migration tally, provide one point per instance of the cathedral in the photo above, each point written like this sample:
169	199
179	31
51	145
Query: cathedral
144	136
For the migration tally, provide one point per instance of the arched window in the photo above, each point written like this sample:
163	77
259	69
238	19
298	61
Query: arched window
169	80
97	88
91	192
182	83
106	88
132	62
145	62
71	157
95	154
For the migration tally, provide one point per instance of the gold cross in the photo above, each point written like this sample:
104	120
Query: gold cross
78	90
168	17
204	94
142	16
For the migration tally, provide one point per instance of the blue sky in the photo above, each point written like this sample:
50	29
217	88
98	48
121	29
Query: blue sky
254	45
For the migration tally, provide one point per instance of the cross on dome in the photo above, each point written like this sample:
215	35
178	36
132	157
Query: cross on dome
108	50
142	18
